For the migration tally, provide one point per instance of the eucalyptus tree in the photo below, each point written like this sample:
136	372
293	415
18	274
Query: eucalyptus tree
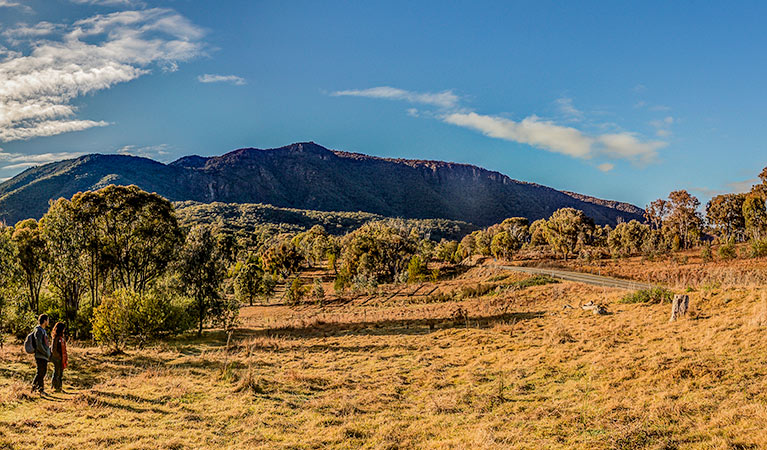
67	242
566	229
201	271
7	275
251	281
31	254
139	235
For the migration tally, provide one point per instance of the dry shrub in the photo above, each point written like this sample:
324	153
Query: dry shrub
641	436
16	391
696	370
560	335
250	383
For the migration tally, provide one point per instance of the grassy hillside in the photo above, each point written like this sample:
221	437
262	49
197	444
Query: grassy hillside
407	368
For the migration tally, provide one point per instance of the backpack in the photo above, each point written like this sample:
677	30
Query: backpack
29	343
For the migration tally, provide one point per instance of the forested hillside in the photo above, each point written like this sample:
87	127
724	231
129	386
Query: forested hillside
311	177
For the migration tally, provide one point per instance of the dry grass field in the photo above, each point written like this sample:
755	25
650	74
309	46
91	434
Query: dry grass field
407	367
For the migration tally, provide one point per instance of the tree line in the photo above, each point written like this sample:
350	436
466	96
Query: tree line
116	264
672	224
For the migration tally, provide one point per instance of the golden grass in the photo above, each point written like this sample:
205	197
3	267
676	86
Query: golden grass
411	375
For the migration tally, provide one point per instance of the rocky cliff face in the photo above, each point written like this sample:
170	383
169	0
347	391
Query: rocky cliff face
309	176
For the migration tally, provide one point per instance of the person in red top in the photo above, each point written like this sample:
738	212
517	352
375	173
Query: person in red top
58	354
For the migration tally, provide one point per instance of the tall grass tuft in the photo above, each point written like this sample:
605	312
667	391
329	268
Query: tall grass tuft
653	295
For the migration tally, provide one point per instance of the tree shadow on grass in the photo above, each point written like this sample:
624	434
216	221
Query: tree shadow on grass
386	327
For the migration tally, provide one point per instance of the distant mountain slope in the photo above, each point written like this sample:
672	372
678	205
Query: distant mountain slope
259	218
310	177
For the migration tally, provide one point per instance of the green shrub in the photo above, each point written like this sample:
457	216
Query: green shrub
112	319
318	292
19	321
297	291
126	315
416	269
477	291
728	251
653	295
758	248
706	254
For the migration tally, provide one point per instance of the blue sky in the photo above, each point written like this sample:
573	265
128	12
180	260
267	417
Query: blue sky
620	100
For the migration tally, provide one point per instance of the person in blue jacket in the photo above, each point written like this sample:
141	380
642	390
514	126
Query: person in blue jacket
42	354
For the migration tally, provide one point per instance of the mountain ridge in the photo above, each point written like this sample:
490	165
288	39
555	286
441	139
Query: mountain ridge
308	176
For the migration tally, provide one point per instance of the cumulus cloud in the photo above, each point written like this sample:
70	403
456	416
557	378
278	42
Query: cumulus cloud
444	99
214	78
37	88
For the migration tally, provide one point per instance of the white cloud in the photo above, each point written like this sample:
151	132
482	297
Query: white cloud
37	89
532	130
606	167
157	152
444	99
23	30
213	78
10	161
628	146
555	138
567	108
109	2
14	4
663	126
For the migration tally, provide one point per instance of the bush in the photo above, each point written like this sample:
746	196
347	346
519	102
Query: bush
296	291
706	254
728	251
758	248
112	319
19	321
318	292
416	269
654	295
125	315
477	291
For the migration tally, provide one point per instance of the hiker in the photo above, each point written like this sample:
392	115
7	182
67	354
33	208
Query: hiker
58	354
42	353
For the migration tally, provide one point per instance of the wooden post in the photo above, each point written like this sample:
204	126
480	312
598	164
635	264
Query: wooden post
679	306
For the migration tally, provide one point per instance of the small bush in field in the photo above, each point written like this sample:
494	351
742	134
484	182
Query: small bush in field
297	291
112	319
758	248
476	291
728	251
654	295
706	254
318	292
